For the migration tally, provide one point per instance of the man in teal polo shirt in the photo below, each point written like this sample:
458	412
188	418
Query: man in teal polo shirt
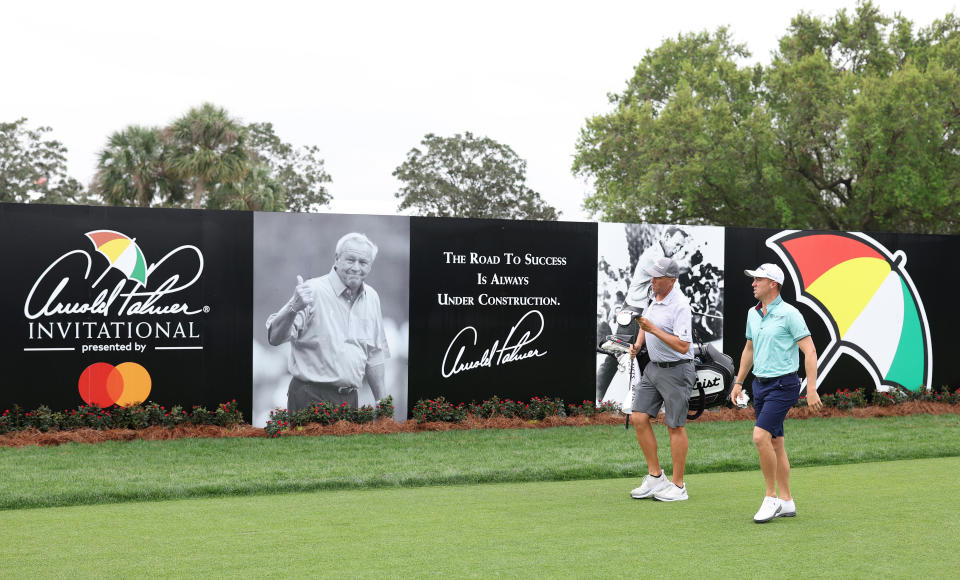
776	333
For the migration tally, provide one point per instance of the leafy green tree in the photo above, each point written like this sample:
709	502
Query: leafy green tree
852	126
867	120
467	176
299	172
131	170
207	148
33	168
683	141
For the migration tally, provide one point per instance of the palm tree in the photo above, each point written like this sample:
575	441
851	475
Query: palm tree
206	148
257	192
130	169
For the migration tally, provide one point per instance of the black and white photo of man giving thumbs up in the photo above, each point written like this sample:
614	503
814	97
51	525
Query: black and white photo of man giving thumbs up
335	328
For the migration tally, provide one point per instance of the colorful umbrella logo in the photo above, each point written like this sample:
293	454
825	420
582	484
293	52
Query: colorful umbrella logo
867	300
122	252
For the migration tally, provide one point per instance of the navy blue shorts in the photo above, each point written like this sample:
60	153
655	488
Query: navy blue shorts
772	398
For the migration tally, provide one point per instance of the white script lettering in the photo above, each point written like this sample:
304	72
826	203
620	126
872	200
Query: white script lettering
139	301
511	351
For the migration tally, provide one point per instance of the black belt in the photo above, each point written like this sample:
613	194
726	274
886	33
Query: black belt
673	363
765	380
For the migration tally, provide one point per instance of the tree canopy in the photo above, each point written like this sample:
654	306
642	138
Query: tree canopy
853	126
206	148
33	167
206	158
298	173
131	169
468	176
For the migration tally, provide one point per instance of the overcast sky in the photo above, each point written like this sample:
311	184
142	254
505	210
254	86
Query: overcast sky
363	81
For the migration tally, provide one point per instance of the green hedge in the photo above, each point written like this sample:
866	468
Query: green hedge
131	417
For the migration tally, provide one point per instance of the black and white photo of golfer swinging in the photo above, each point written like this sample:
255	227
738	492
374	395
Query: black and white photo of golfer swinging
623	288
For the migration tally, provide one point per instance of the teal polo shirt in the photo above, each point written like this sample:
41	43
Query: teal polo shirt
775	336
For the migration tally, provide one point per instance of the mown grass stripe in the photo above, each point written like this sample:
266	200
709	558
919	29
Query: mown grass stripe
140	470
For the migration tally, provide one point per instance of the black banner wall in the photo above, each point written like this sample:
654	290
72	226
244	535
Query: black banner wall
109	305
105	305
502	308
879	306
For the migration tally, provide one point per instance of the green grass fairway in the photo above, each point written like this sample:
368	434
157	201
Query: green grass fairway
867	520
164	470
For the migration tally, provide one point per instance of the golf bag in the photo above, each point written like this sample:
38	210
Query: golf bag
715	375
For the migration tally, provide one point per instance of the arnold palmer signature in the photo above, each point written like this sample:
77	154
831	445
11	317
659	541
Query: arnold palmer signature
109	301
512	349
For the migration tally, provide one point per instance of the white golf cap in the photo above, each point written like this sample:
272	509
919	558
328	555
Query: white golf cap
771	271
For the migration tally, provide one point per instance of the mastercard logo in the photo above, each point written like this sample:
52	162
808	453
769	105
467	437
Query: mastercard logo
103	384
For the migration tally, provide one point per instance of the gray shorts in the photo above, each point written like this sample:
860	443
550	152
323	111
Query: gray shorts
669	387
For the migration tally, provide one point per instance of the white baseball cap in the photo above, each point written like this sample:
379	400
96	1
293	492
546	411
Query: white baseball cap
771	271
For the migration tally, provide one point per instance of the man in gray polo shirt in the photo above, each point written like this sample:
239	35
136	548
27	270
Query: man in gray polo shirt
638	296
668	380
335	329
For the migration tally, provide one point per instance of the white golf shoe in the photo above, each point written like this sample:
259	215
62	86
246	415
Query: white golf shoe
788	509
650	485
768	510
671	493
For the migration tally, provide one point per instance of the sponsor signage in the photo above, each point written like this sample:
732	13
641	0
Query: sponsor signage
502	308
113	306
865	299
117	305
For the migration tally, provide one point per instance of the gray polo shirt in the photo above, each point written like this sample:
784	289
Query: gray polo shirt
334	341
672	315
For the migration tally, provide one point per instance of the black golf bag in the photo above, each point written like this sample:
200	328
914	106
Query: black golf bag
715	375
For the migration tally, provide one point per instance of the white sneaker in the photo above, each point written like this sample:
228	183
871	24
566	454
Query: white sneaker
671	493
650	486
768	510
788	509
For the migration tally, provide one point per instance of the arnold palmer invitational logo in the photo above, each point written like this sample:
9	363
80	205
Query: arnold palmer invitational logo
111	299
